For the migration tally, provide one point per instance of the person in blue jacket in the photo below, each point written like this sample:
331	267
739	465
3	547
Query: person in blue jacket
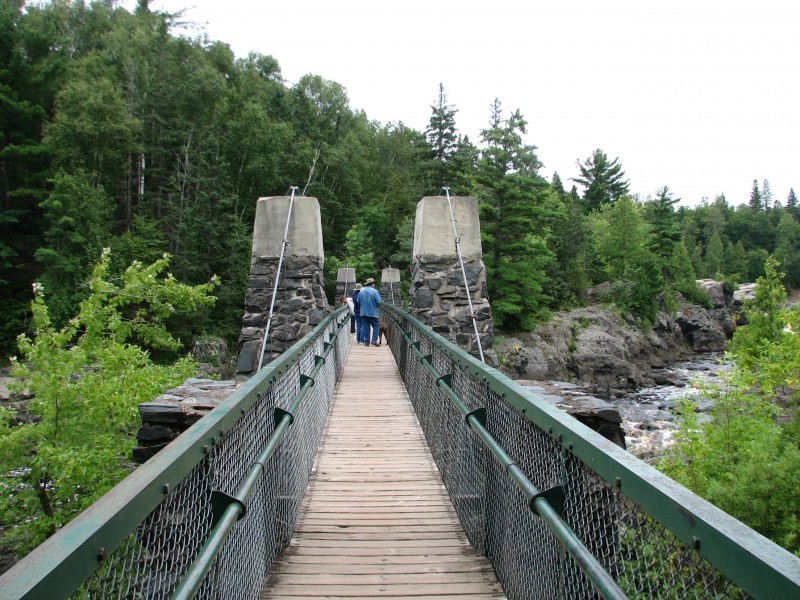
370	300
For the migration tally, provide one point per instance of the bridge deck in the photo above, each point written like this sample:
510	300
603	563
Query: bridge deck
376	521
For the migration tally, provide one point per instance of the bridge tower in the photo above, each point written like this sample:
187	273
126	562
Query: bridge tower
345	282
390	287
438	294
298	301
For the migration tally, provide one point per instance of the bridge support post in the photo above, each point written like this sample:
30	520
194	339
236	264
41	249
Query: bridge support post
438	292
345	282
299	304
390	287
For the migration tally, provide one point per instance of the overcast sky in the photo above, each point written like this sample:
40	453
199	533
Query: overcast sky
699	95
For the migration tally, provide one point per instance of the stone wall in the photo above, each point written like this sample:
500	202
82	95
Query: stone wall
438	298
438	295
300	303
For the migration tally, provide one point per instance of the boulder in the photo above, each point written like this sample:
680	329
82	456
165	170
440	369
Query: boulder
746	292
173	412
703	334
593	412
715	291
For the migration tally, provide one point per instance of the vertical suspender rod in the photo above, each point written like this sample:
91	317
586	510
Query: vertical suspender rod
277	277
464	275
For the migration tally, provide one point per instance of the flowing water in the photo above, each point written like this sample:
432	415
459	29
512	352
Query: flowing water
650	415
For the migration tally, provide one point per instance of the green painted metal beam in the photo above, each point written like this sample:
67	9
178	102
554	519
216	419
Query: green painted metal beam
61	564
761	567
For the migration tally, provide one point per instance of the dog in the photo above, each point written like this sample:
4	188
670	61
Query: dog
383	333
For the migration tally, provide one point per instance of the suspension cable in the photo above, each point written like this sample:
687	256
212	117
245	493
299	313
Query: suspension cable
464	275
277	278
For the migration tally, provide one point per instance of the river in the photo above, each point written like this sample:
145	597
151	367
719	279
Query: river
650	415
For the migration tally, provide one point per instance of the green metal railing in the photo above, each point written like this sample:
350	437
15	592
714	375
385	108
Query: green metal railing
561	511
207	515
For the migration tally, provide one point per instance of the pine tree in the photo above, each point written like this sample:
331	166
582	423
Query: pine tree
515	248
441	135
665	230
715	257
791	204
623	245
755	198
682	276
572	244
766	195
603	180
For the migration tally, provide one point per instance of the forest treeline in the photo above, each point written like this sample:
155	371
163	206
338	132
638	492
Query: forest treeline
117	132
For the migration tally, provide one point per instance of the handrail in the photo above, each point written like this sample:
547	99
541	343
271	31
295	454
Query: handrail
235	509
61	564
746	558
537	501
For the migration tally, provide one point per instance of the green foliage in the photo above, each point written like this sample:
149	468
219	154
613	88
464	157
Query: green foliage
572	243
744	460
765	319
514	221
78	218
741	461
623	242
683	279
602	179
787	249
88	378
665	229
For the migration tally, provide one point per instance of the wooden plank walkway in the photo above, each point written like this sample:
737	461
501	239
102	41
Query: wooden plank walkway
376	521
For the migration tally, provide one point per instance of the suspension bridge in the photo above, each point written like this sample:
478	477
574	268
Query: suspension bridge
409	470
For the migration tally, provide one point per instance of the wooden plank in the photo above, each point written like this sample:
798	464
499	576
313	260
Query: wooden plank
437	579
376	521
475	596
382	590
383	568
443	561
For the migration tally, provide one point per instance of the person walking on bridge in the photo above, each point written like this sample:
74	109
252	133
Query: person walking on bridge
349	301
357	310
370	299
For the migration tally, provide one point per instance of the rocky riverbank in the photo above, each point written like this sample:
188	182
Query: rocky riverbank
601	367
607	353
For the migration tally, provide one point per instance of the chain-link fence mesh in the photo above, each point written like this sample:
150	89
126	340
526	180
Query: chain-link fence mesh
154	558
645	559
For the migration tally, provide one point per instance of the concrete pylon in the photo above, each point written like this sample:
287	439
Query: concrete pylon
438	292
390	287
300	302
345	281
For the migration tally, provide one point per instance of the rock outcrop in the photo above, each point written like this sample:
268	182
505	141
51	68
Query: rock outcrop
593	412
173	412
606	352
